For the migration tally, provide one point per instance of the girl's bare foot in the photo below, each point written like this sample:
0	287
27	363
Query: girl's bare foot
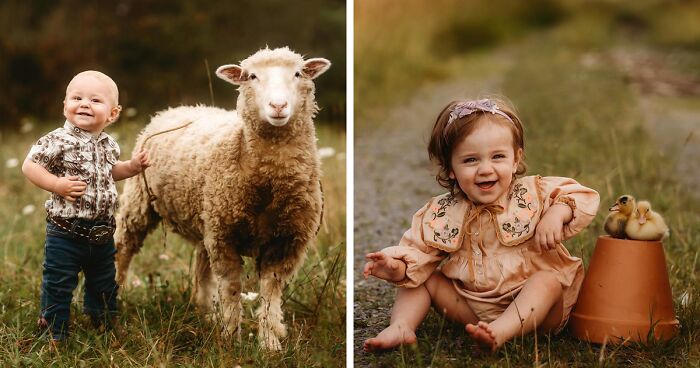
483	335
391	337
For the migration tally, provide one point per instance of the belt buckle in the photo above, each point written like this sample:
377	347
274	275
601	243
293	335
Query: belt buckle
100	234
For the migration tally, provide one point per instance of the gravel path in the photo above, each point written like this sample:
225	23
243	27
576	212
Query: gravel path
677	133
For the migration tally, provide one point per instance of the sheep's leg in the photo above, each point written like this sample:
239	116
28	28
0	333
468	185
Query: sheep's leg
276	266
136	218
205	286
227	266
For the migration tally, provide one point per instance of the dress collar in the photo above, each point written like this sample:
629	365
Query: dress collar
514	216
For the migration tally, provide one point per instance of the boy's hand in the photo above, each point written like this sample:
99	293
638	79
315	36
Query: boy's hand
69	187
384	267
139	162
551	227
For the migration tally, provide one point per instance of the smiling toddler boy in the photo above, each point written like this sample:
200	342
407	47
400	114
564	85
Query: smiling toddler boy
79	164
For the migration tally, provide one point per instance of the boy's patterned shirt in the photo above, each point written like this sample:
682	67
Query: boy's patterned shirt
71	151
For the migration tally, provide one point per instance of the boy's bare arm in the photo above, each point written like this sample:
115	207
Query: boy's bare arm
126	169
68	187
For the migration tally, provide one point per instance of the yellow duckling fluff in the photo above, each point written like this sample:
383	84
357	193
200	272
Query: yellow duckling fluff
619	214
645	224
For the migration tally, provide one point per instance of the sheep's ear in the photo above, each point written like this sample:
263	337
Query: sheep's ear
315	67
230	73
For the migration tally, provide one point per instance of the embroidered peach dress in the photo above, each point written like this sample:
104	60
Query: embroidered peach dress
488	250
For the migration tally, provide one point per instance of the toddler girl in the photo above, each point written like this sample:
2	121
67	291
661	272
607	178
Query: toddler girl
497	235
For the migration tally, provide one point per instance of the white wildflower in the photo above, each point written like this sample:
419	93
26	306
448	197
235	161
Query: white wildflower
164	257
12	163
131	112
249	296
326	152
28	209
26	126
137	282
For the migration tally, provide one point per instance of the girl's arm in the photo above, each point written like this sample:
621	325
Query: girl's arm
69	187
550	229
126	169
384	267
569	208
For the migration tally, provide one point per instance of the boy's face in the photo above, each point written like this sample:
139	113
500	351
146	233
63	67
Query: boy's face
90	104
484	162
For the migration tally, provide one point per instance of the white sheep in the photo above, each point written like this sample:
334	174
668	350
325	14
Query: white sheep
235	183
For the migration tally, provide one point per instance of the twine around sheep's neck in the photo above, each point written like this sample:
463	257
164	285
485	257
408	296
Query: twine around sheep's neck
152	197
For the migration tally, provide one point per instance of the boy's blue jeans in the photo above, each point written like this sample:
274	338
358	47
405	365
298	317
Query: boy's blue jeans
65	257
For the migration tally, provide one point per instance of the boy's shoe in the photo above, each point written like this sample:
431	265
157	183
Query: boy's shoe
42	324
118	331
55	345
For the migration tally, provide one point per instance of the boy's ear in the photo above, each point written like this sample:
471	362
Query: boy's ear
114	113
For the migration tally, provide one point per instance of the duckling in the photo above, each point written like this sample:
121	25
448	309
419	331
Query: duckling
645	224
619	213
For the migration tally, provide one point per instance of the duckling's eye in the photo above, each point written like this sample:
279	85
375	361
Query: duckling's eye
253	76
297	74
623	200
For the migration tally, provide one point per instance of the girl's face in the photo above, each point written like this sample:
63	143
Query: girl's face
484	162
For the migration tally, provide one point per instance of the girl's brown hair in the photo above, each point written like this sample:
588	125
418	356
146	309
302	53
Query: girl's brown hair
445	137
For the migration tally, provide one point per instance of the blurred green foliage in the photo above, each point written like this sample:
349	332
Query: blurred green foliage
400	48
156	50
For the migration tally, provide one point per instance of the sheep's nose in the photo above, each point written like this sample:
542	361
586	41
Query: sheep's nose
278	106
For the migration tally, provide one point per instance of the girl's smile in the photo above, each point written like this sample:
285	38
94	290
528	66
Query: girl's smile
484	162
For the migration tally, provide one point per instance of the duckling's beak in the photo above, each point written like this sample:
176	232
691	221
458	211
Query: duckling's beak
642	220
616	207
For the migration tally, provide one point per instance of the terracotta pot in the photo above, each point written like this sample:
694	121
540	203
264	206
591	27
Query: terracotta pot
625	292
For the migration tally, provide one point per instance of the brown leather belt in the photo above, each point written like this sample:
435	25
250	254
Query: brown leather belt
94	234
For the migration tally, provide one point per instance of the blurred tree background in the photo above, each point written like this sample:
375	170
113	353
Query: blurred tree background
157	50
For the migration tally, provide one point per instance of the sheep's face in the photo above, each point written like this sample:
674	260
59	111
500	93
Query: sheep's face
277	80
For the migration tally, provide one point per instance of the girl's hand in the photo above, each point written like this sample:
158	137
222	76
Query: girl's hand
139	162
69	187
551	226
384	267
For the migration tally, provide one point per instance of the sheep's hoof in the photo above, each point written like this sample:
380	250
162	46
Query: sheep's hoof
280	329
121	279
269	341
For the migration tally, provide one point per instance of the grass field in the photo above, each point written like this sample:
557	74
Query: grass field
583	118
163	329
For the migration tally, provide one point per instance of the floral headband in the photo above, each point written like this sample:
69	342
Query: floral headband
463	109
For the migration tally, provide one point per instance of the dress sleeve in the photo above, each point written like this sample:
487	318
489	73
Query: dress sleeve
421	259
44	152
583	201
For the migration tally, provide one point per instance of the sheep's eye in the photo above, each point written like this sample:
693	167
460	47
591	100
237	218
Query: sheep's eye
253	76
297	74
